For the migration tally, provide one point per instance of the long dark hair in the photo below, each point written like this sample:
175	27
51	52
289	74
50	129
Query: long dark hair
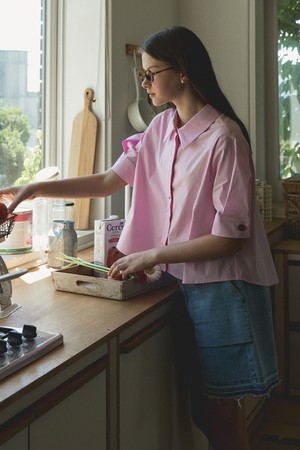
183	50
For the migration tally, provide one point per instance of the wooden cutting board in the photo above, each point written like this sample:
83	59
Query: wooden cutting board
82	154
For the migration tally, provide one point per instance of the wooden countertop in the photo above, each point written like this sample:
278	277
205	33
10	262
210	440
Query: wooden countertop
85	322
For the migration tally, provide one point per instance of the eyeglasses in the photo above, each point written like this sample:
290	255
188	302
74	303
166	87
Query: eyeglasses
149	76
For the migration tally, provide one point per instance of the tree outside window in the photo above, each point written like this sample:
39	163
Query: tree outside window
289	86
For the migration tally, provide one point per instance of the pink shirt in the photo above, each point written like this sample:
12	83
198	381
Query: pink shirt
191	181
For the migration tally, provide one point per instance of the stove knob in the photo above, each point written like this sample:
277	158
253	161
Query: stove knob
3	347
15	339
29	331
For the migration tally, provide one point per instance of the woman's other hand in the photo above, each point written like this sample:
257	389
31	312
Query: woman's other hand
131	264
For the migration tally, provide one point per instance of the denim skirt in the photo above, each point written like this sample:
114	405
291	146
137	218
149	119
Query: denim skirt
233	330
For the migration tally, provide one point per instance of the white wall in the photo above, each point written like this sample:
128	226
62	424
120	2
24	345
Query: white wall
229	30
78	69
80	59
223	28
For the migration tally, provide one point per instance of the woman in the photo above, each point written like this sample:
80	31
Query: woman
194	213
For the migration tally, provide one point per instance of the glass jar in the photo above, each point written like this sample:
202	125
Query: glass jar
62	239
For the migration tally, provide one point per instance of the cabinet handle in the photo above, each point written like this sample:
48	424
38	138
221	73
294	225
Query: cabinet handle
141	336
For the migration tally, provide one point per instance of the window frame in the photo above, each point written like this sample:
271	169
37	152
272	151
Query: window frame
271	101
52	86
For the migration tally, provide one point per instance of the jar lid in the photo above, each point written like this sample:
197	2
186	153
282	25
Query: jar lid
47	174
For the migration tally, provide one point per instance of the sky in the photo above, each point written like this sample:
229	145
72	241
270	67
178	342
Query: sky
20	30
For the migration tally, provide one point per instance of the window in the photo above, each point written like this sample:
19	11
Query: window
22	46
40	33
281	94
27	58
289	87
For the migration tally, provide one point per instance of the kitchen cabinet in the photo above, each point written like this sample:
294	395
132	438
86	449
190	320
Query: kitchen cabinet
76	423
70	398
294	321
145	388
126	400
151	413
18	442
287	314
70	416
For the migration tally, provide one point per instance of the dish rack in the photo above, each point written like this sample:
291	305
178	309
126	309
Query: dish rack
291	196
6	226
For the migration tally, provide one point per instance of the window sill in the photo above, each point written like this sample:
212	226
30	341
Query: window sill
35	258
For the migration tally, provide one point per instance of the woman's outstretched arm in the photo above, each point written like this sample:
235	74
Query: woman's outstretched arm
89	186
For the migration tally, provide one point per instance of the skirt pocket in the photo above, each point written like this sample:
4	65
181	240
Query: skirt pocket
219	314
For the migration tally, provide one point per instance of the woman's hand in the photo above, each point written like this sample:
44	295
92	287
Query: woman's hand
16	195
128	265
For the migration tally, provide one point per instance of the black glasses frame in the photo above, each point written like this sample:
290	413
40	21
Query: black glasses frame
149	76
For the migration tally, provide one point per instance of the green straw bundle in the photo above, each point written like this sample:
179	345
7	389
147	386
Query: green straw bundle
73	261
148	275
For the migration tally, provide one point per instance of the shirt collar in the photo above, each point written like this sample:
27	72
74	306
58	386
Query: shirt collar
199	123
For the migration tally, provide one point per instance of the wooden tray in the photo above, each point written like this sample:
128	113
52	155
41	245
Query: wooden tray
81	280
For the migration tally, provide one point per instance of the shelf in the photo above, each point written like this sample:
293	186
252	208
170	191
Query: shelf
287	246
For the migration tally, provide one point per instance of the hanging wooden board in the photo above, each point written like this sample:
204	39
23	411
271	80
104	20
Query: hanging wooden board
82	154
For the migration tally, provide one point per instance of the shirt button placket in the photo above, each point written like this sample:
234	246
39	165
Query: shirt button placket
170	184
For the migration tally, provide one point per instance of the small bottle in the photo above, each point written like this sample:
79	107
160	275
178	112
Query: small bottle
70	210
58	209
62	239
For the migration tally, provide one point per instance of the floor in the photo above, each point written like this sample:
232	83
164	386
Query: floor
280	426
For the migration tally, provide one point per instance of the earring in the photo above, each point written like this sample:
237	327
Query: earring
182	81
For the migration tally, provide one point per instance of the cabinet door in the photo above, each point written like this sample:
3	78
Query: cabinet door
293	288
145	391
18	442
294	364
185	373
76	423
294	327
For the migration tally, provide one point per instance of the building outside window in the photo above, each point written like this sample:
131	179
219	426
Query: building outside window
22	30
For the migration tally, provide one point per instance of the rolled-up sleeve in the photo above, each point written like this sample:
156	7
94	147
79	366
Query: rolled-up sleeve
231	226
232	192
